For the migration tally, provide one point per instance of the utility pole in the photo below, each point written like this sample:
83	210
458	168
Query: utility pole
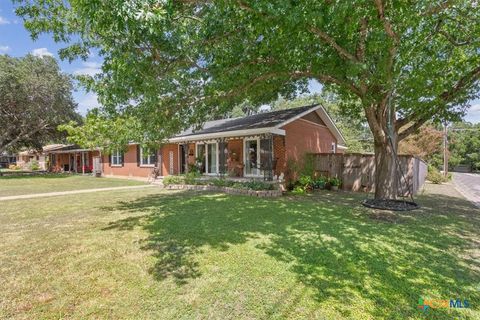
445	149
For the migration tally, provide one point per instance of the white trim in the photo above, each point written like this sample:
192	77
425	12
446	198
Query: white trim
227	134
206	143
298	116
314	123
148	157
324	116
245	158
333	148
117	154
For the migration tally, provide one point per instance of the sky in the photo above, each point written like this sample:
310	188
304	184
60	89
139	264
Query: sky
15	41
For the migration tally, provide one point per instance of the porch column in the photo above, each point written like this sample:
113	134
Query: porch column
83	162
75	162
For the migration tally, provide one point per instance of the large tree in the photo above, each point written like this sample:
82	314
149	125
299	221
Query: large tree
176	63
35	97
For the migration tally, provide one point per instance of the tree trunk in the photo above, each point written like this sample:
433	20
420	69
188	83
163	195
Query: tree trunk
386	171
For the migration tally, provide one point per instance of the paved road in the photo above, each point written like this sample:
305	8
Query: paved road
62	193
468	184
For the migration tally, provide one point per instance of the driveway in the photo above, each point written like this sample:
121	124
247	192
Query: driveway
468	184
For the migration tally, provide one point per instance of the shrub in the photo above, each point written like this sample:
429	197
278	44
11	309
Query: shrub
14	167
435	176
257	185
192	168
335	182
168	180
305	182
33	165
191	177
298	190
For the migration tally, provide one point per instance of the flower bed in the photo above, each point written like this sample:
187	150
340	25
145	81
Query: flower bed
250	188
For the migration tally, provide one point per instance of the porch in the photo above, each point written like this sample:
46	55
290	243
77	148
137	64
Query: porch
241	158
72	159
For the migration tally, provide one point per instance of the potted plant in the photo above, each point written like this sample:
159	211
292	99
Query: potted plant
320	183
334	183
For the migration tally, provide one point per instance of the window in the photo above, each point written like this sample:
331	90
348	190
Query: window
252	157
212	158
334	147
117	158
147	157
207	158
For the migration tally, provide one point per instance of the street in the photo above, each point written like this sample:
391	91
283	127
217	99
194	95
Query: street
469	185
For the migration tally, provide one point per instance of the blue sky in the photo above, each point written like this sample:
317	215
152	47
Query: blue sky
16	41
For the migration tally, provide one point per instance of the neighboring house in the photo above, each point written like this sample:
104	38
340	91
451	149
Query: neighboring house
6	159
60	158
72	158
25	157
260	145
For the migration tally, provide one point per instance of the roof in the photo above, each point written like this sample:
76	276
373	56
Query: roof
69	148
260	120
46	148
267	122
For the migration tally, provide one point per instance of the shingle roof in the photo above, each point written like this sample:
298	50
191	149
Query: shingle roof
261	120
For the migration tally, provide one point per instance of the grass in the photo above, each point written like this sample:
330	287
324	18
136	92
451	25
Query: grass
182	255
19	185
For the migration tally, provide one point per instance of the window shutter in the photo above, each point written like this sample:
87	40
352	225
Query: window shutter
138	155
122	157
155	157
109	159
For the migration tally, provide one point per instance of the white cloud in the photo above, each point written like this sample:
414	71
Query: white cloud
89	68
41	52
473	114
4	49
3	21
474	108
87	102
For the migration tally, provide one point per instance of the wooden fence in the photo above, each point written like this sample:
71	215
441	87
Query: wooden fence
357	171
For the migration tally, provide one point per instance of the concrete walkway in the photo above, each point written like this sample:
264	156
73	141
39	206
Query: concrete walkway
62	193
468	184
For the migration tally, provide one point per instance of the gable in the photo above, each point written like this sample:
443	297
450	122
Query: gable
313	117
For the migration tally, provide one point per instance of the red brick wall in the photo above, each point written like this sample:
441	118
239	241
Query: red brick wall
129	168
279	154
306	137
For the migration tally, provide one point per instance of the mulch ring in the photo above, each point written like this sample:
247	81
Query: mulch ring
390	204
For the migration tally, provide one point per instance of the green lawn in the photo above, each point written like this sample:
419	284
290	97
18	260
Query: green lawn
148	253
19	185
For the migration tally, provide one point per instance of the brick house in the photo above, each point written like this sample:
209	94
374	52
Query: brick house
257	146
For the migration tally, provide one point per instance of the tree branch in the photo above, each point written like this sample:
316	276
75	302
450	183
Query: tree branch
439	8
465	81
340	50
414	127
386	22
362	39
21	136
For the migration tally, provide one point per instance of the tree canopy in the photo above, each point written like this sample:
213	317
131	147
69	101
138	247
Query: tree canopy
177	63
464	144
102	132
35	97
